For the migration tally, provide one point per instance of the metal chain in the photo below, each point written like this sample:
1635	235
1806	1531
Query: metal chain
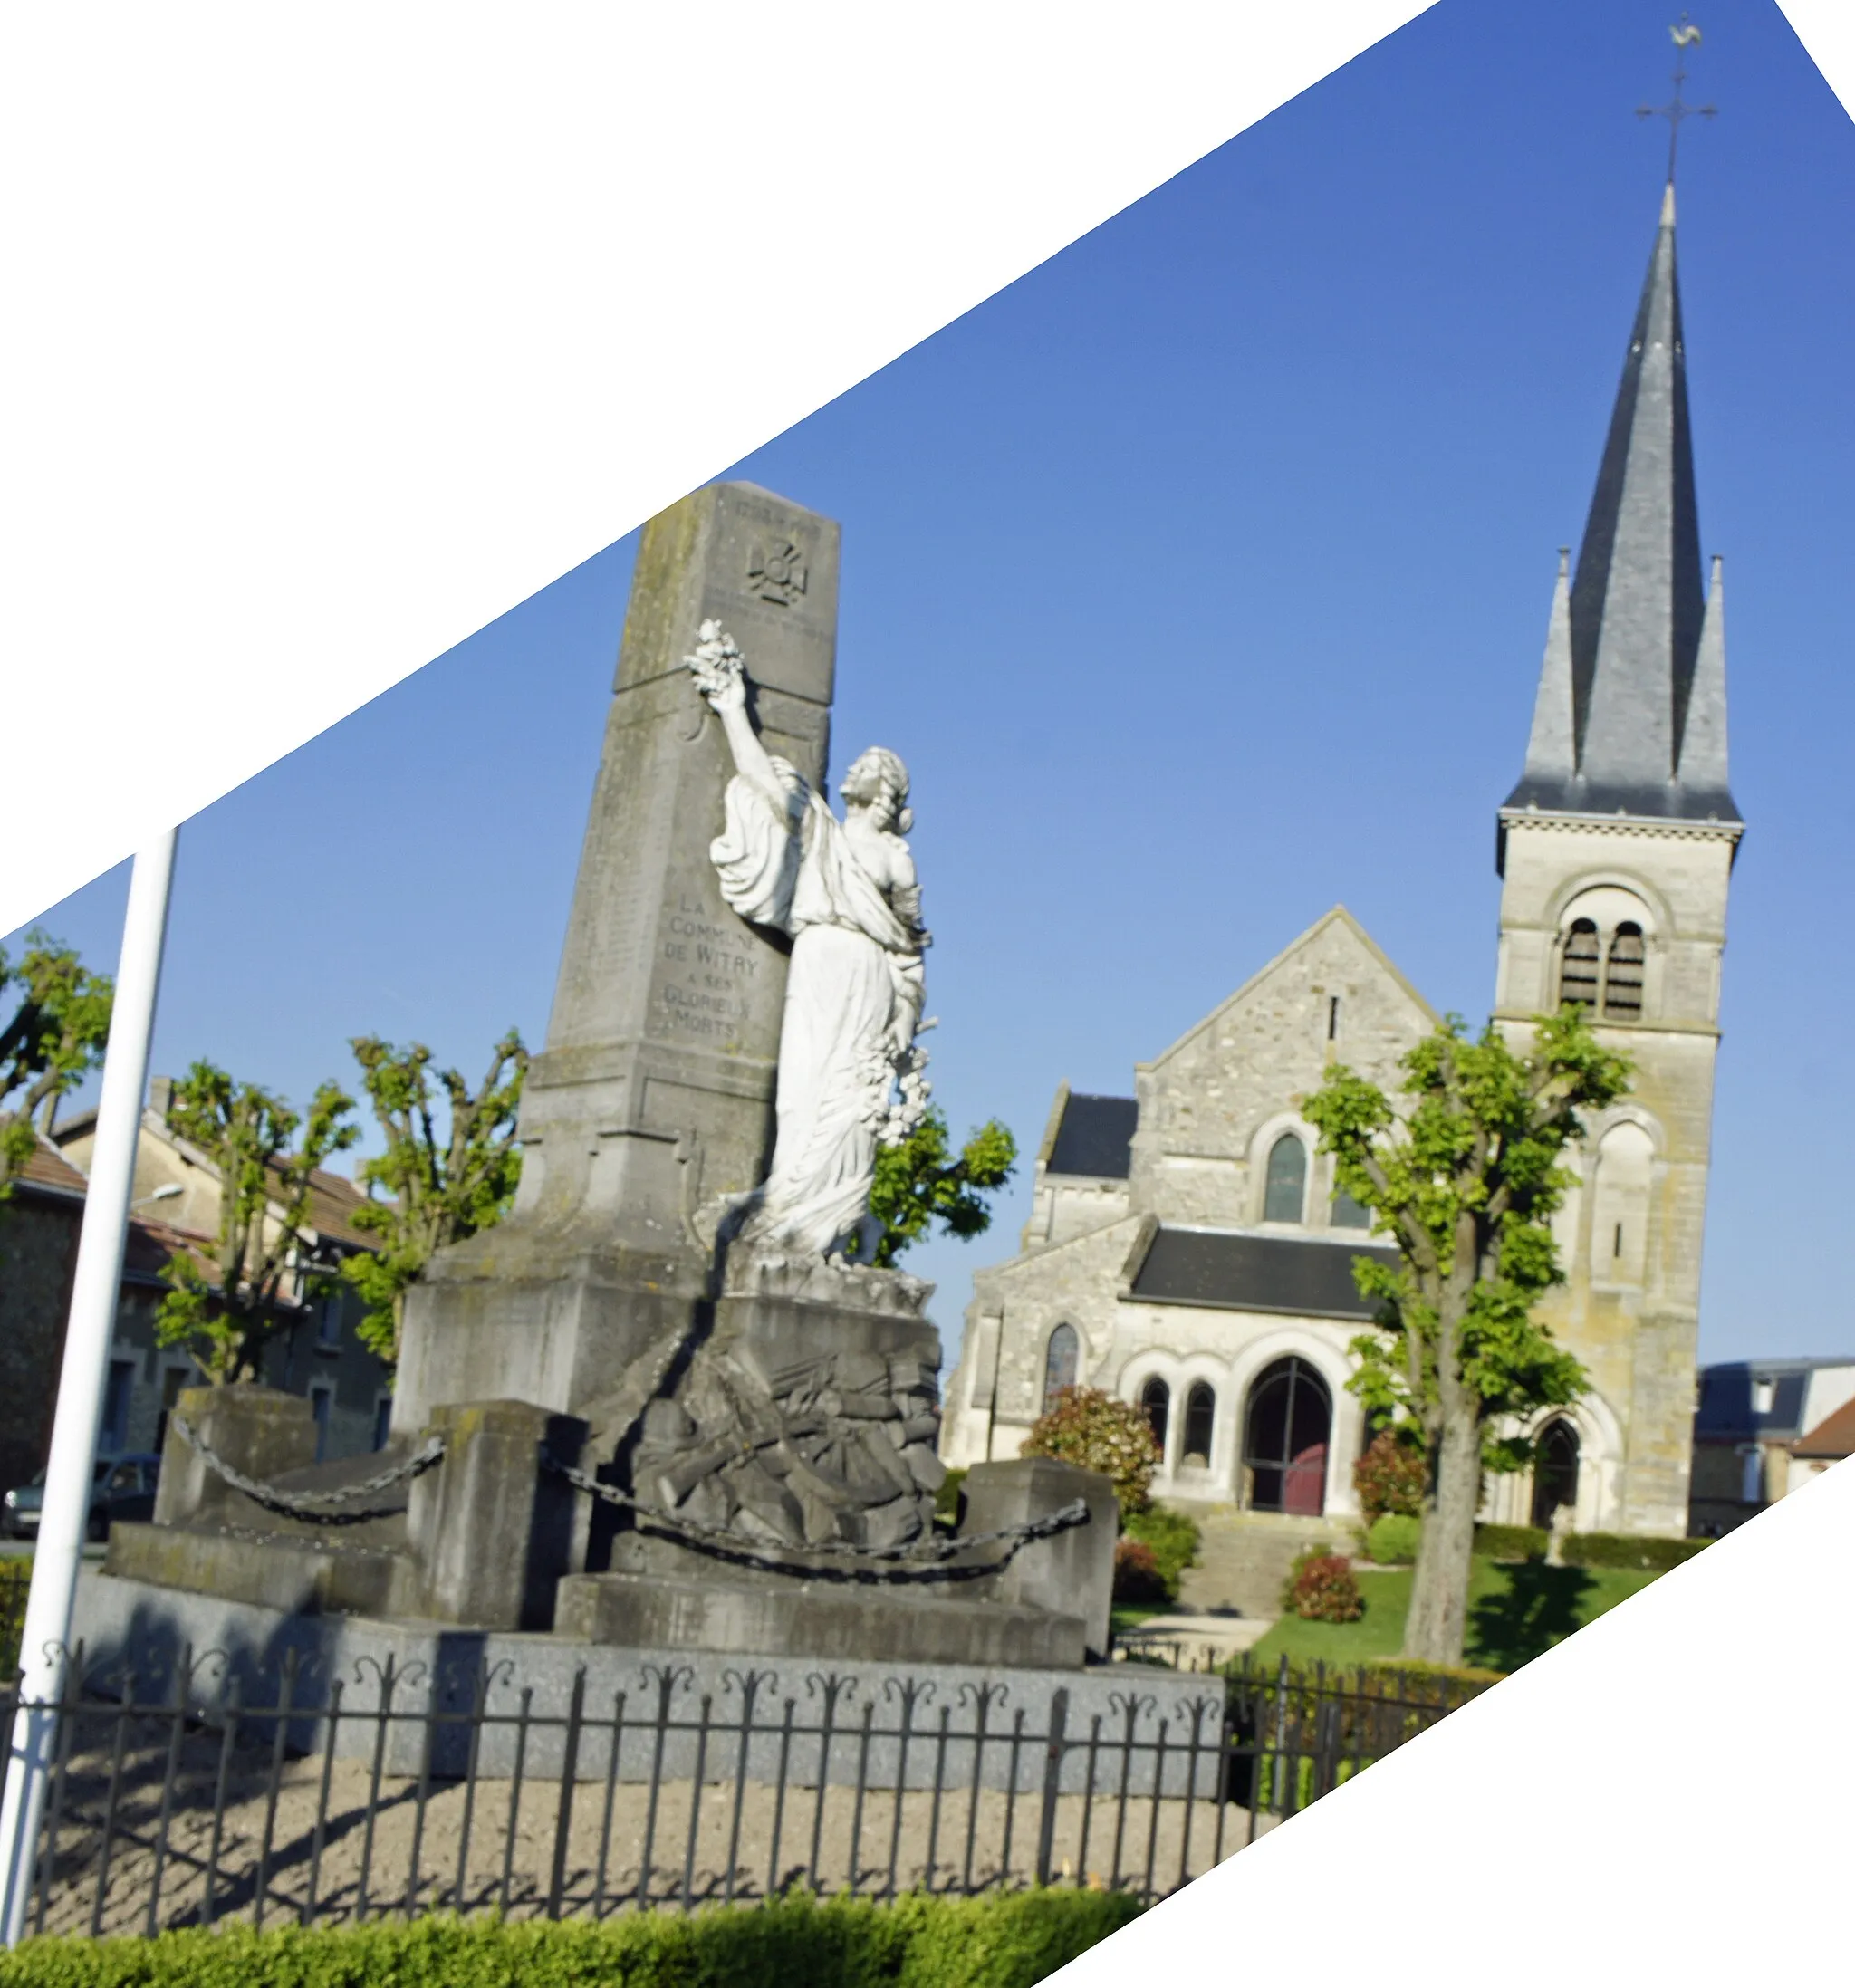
932	1552
310	1504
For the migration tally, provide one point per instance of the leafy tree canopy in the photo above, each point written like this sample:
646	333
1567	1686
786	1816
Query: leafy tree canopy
429	1188
251	1138
922	1181
55	1033
1463	1181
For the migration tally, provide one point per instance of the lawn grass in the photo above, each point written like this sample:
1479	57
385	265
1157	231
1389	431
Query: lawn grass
1514	1612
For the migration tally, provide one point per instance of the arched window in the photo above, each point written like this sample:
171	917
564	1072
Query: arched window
1200	1415
1347	1213
1554	1472
1623	975
1578	968
1286	1437
1285	1189
1156	1403
1060	1363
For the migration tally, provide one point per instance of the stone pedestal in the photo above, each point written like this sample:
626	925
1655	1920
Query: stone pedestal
261	1432
490	1532
1075	1571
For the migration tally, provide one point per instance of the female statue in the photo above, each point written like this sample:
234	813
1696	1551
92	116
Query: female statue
850	1074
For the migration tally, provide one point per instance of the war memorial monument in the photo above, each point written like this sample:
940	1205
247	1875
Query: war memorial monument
668	1411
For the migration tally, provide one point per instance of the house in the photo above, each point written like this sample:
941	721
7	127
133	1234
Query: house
174	1208
1761	1428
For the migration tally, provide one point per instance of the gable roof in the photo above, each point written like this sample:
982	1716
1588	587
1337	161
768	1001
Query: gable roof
1238	1273
1832	1439
1339	915
1094	1136
48	1168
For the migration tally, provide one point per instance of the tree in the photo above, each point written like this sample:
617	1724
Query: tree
55	1033
921	1181
247	1134
438	1191
1464	1182
1095	1430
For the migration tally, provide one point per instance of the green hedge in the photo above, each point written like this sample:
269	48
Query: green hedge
1648	1555
1173	1536
1512	1543
917	1942
1392	1540
16	1578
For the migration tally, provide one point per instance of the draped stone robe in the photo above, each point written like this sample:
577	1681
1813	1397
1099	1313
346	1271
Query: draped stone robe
854	1000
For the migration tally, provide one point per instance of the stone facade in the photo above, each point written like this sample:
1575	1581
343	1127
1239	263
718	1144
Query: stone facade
1175	1265
1176	1272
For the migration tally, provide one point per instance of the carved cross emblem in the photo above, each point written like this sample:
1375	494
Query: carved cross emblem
776	572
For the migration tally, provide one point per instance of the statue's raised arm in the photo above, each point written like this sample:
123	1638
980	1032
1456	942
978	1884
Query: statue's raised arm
850	1073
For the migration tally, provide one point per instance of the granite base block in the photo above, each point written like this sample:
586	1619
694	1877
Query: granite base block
815	1620
136	1635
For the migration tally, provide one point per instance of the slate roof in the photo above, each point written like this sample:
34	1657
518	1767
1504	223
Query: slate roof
1631	713
1095	1138
1725	1410
1253	1273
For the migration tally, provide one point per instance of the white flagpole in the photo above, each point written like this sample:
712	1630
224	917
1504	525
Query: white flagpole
95	1295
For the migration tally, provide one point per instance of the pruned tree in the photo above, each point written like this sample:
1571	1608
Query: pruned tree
265	1173
56	1032
438	1187
1464	1182
922	1181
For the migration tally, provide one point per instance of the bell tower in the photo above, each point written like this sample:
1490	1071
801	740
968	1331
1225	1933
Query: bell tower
1615	851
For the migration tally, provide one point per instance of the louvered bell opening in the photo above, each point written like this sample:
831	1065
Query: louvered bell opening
1578	967
1623	977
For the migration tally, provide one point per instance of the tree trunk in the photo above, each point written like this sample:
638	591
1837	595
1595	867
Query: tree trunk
1435	1629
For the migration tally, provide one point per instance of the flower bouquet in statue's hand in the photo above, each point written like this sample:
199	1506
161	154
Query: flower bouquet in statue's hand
717	668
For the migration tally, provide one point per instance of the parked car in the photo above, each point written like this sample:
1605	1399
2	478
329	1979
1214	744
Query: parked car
122	1487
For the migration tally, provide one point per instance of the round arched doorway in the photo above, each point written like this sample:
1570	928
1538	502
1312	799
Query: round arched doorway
1285	1435
1554	1472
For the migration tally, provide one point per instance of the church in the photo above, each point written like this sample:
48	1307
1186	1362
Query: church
1187	1248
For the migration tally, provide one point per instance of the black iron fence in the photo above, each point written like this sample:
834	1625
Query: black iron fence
291	1798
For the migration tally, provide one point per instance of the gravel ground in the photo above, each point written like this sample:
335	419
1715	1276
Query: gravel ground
368	1866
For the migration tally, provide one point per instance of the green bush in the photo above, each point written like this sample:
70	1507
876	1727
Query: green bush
1096	1430
1321	1589
946	1499
1512	1543
1009	1941
1648	1555
1390	1476
1171	1537
1393	1538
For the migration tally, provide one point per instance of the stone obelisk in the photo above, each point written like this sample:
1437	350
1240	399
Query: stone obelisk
653	1096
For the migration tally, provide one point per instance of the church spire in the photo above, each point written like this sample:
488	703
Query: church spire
1626	641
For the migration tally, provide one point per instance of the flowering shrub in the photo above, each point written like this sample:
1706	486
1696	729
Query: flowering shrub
1097	1431
1324	1590
1389	1478
1137	1576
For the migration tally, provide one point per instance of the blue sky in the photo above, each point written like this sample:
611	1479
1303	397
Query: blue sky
1201	576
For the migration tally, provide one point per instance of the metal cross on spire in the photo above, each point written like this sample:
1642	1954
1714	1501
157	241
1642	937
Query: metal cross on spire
1685	35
